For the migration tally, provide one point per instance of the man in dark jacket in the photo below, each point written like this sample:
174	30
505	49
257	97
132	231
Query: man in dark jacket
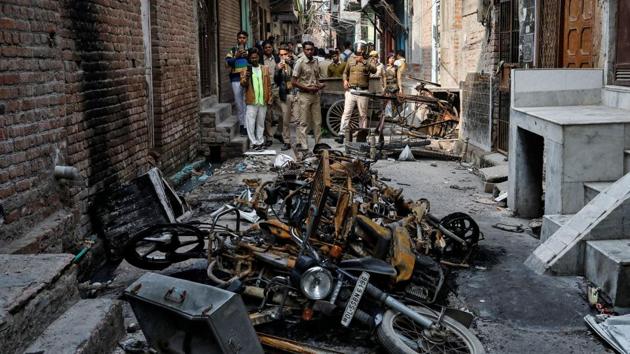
286	98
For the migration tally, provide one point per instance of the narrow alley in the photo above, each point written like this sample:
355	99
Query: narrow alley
314	176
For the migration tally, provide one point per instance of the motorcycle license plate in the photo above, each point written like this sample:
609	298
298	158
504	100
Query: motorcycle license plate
355	298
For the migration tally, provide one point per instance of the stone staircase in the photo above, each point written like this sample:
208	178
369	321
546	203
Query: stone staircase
594	242
40	309
220	130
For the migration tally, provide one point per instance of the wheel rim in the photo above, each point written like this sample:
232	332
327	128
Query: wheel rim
163	245
417	338
464	227
333	117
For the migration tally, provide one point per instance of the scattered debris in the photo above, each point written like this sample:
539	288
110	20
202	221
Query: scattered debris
406	155
433	164
615	330
458	187
509	228
133	345
501	197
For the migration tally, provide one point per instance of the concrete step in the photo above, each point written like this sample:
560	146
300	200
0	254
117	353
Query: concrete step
626	161
551	224
34	291
216	114
230	126
607	265
46	236
493	159
236	147
494	174
208	102
592	189
603	218
90	326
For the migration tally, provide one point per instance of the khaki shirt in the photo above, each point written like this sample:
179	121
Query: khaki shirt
336	70
358	73
306	71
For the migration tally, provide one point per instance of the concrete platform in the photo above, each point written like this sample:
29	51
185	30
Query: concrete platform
607	264
91	326
34	291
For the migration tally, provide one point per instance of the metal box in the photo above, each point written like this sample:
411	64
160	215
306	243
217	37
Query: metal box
180	316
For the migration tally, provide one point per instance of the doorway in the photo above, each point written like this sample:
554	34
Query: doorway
579	46
206	14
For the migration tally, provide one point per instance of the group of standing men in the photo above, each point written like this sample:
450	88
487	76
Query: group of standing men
263	81
282	81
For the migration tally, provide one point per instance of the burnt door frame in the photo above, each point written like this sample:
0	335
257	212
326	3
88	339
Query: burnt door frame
208	47
621	65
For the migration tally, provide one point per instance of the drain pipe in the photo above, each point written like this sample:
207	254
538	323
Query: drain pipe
67	172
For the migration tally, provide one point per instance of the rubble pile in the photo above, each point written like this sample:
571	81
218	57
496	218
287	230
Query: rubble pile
327	238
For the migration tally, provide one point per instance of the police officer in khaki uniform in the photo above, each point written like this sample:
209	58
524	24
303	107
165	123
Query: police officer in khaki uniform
356	77
306	80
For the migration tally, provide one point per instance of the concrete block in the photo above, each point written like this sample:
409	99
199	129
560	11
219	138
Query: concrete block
592	189
552	223
593	152
494	173
488	187
626	161
569	262
572	198
91	326
607	264
34	291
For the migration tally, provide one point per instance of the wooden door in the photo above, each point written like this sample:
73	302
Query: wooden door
577	36
622	55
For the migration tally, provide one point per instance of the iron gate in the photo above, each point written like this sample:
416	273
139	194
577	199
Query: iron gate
508	53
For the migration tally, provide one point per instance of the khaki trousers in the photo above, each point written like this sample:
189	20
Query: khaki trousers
310	115
288	108
348	106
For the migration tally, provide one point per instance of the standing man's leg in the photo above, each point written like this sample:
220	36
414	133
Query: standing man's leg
362	103
239	99
260	124
285	120
348	107
267	125
316	118
303	112
252	111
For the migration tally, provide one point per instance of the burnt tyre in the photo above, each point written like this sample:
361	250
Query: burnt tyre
159	246
398	334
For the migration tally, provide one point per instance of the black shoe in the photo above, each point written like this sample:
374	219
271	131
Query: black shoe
268	142
285	147
243	131
340	139
279	138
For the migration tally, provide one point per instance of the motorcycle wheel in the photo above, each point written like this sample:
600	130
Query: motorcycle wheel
399	335
159	246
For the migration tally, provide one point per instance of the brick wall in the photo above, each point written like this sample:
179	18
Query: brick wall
175	81
73	92
229	25
32	105
105	117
